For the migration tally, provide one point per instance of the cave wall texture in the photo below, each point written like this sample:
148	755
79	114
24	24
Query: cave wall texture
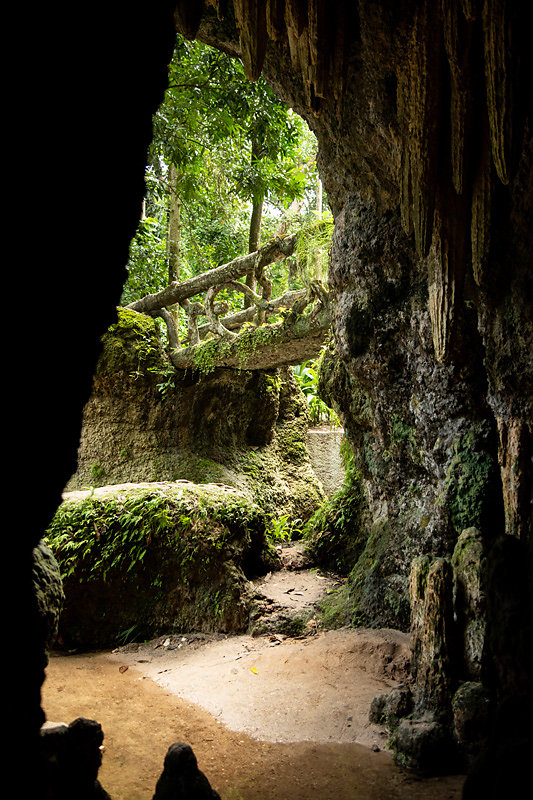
423	115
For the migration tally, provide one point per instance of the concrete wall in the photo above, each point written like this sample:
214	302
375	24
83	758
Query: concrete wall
324	444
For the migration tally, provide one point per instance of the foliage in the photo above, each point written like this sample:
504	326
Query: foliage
97	536
313	247
284	528
307	378
230	140
335	534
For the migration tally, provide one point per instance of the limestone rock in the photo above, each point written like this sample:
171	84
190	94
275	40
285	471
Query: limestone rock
48	591
71	758
471	717
142	559
390	708
424	745
469	599
433	664
145	421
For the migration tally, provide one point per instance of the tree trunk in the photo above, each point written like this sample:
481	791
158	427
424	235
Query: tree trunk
267	347
280	247
254	236
174	227
173	235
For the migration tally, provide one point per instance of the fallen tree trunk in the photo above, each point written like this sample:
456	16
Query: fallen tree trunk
293	341
280	247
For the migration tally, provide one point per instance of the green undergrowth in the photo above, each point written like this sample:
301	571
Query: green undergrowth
100	534
157	559
335	534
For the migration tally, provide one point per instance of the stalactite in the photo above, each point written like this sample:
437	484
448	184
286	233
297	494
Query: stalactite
320	15
341	28
441	286
250	16
296	22
445	264
481	208
457	38
513	460
275	19
404	110
471	9
424	77
497	47
220	6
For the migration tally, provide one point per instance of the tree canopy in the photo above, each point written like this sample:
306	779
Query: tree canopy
229	166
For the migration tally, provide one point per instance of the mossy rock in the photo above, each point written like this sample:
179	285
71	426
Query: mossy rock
335	535
471	487
141	559
132	347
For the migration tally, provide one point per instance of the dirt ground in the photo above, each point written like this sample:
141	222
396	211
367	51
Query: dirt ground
269	718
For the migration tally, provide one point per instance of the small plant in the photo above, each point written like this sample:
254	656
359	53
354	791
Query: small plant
307	378
168	385
97	474
283	529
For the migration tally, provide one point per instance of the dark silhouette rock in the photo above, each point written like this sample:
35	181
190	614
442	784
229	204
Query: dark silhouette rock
71	757
471	718
181	779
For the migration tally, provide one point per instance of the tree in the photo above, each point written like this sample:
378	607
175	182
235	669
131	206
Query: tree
229	164
222	148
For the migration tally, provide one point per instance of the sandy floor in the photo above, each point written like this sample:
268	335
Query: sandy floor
318	688
267	721
269	717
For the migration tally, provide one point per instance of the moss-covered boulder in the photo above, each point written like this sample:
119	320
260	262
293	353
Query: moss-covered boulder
139	560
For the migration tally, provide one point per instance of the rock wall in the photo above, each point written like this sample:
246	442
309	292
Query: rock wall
324	445
423	115
145	421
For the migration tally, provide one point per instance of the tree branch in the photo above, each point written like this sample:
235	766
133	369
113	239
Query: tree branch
280	247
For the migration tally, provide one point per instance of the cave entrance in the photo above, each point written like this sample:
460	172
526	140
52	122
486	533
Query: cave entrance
193	472
214	456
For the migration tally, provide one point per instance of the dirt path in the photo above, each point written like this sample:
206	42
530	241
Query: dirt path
141	719
276	689
269	717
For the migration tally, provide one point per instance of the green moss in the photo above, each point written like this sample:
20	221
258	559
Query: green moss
336	610
335	534
207	354
157	558
132	346
469	485
200	470
290	442
363	576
